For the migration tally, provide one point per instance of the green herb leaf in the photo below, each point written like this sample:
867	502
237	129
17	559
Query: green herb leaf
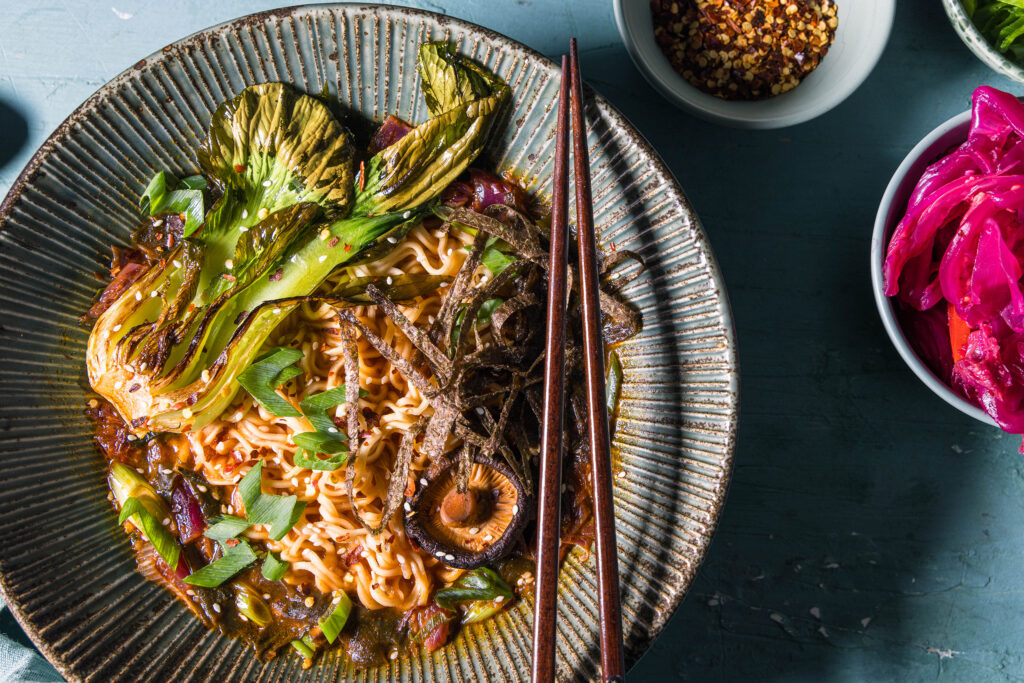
487	309
274	568
479	584
302	459
335	621
278	513
493	258
156	533
235	559
265	374
226	526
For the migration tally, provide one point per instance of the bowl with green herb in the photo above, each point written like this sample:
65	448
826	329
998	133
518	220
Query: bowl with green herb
993	30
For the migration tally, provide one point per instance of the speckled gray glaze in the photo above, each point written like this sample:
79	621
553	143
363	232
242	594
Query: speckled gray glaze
977	44
66	571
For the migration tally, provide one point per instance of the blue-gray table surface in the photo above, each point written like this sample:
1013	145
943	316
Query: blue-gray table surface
871	532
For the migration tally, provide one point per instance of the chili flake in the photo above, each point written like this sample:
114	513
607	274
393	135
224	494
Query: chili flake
741	49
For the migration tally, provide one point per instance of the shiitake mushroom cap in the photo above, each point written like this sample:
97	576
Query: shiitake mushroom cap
497	506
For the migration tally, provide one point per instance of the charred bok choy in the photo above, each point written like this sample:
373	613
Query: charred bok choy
290	209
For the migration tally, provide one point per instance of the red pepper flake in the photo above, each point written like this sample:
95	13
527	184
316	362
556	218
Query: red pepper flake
229	277
170	240
277	275
240	318
348	247
231	542
191	307
239	168
362	176
163	263
333	242
133	388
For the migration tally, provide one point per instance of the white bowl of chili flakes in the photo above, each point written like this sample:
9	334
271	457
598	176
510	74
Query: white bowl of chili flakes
860	37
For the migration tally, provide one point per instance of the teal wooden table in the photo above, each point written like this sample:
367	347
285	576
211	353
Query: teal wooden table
871	532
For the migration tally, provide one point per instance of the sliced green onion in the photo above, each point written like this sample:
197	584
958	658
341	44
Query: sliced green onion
321	442
613	387
274	568
235	559
163	541
224	527
332	624
330	464
315	408
278	513
481	610
268	372
162	196
303	649
482	583
249	603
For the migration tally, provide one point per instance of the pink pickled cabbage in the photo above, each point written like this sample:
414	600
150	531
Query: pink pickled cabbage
961	241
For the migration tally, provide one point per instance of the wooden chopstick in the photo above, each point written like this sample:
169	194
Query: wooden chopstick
597	409
548	505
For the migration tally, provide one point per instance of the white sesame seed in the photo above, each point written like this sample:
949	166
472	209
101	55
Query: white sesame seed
389	280
229	264
190	592
500	598
116	328
165	521
93	403
449	557
263	213
406	214
323	257
488	538
202	488
430	319
266	183
242	228
423	481
139	469
449	251
443	284
205	375
408	506
176	263
154	294
216	607
622	474
392	240
242	617
266	596
515	509
187	413
138	296
245	213
131	437
295	258
394	654
325	233
158	222
400	558
475	530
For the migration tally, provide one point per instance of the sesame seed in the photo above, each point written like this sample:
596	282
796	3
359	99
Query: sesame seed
622	474
515	509
500	598
205	375
488	538
245	213
242	228
325	233
394	653
165	521
408	506
449	557
310	601
93	403
153	294
229	264
140	470
216	607
131	437
406	214
443	284
263	213
323	257
449	251
475	530
176	263
400	558
158	222
332	430
266	596
242	617
266	183
392	240
138	296
116	328
202	488
423	482
190	592
187	413
389	280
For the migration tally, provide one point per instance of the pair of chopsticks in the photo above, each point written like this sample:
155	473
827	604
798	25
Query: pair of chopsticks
548	514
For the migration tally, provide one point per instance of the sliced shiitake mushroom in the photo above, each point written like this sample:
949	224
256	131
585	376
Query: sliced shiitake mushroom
471	528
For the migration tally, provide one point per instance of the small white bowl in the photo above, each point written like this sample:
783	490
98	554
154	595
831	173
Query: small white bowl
863	31
977	44
894	204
